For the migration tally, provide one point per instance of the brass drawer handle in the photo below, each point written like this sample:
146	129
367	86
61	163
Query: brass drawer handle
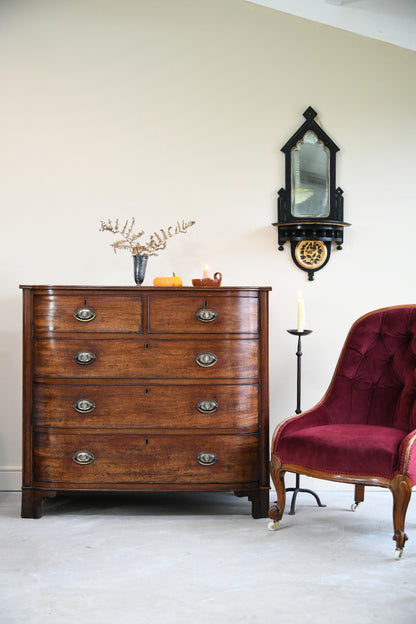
206	315
83	406
83	457
206	458
206	359
207	406
85	314
84	357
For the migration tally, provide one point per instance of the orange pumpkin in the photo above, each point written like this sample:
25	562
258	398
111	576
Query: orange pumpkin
163	281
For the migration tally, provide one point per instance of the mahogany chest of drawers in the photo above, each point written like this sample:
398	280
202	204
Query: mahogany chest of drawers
135	389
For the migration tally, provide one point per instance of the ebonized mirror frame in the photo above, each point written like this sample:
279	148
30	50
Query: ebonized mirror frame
310	217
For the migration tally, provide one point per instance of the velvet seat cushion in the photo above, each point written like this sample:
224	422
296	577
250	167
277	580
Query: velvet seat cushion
353	449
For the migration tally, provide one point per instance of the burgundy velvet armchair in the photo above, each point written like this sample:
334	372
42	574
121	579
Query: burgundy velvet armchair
363	431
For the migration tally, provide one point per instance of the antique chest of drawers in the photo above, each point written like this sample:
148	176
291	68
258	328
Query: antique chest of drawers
134	389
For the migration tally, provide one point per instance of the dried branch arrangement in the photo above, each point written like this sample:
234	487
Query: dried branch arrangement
131	240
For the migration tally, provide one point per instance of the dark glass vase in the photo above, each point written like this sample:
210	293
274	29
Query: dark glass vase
140	264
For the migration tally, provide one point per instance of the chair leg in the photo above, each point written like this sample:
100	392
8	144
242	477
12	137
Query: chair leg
358	497
401	488
278	477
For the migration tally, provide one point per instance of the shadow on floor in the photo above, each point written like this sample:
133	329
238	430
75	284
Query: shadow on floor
147	504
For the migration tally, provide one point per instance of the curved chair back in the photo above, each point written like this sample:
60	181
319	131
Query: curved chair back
375	379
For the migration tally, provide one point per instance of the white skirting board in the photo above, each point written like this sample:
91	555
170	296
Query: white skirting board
10	478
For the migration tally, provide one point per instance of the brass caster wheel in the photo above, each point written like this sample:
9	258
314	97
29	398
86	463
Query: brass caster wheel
272	526
355	506
398	553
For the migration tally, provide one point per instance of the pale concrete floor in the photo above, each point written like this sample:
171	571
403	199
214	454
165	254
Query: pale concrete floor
181	558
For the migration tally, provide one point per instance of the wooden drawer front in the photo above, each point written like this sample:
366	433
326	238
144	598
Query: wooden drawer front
112	314
137	358
140	459
148	406
176	313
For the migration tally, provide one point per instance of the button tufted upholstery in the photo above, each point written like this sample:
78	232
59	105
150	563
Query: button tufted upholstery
363	431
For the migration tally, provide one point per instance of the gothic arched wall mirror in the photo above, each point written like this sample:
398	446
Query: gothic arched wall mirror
310	209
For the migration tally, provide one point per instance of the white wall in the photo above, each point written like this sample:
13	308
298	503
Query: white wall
171	109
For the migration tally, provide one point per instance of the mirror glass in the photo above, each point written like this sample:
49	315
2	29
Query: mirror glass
310	178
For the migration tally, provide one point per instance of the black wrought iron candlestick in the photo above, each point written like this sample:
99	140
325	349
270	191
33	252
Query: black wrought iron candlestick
297	487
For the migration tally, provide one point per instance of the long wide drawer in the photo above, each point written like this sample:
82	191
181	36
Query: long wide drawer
137	358
144	459
86	312
198	314
168	406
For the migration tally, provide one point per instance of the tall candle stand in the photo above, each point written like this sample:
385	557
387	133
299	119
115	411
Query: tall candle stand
297	487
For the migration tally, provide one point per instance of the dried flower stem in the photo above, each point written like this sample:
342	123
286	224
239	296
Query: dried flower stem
129	240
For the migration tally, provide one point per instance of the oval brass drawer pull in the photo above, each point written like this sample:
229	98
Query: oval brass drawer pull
207	406
84	357
83	457
206	458
206	359
83	406
85	314
206	315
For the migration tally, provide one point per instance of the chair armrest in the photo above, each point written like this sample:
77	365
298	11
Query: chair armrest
407	455
311	418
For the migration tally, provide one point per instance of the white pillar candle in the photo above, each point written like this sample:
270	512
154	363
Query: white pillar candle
301	313
205	274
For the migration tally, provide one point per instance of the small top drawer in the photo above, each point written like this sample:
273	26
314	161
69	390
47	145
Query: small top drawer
89	313
173	313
